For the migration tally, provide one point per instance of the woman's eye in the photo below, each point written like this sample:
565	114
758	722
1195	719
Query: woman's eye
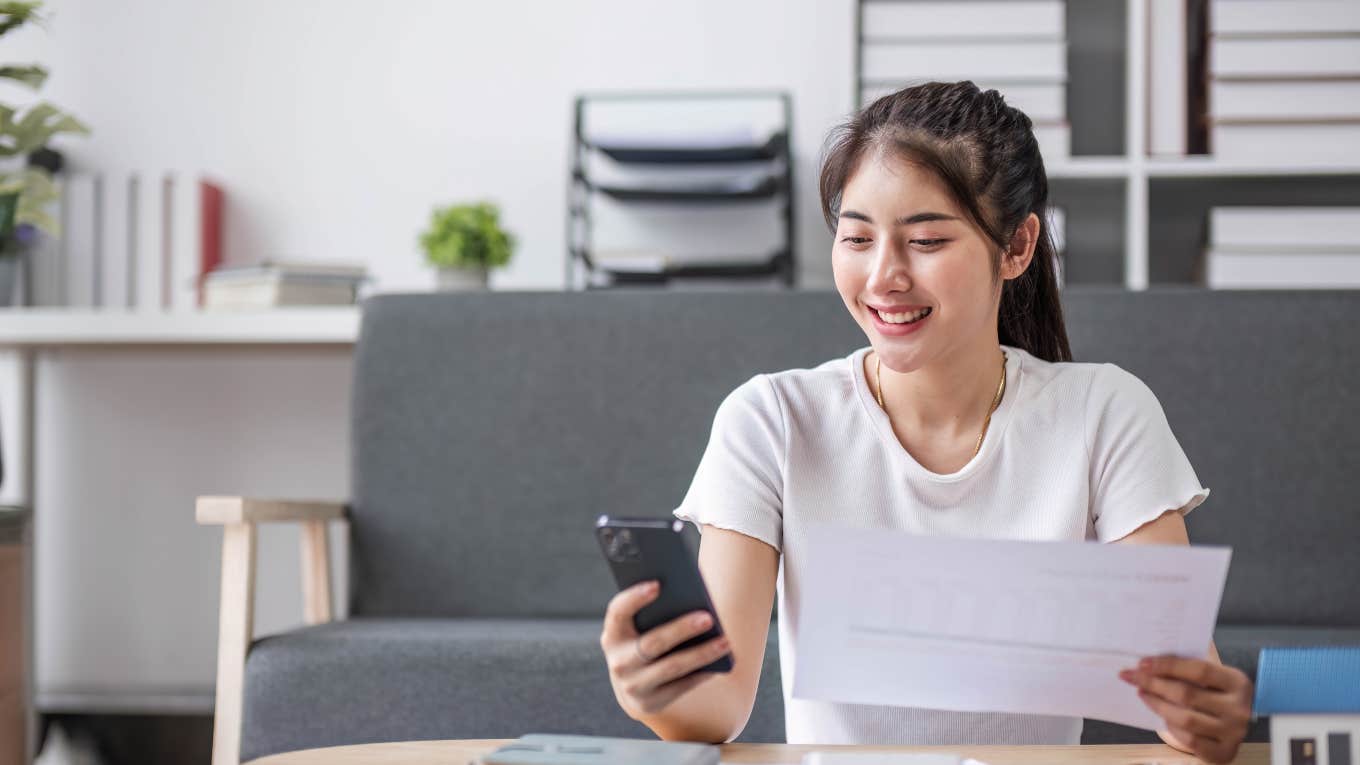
928	243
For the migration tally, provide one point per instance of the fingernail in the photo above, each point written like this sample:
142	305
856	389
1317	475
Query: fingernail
1126	675
701	620
648	587
1145	664
722	645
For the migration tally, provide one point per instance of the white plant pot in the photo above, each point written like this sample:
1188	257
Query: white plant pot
462	279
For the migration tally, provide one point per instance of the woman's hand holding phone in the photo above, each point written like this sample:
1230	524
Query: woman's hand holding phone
645	679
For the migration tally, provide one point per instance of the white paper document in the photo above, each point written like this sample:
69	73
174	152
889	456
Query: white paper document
998	626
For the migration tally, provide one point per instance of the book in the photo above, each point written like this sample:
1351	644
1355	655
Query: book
291	269
1274	17
1283	57
554	749
1291	101
116	233
996	61
1284	228
80	230
1305	143
1055	141
267	292
1228	269
1040	101
1197	77
1167	79
149	251
196	207
832	757
979	18
212	207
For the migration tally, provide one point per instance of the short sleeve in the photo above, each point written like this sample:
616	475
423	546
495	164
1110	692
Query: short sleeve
1138	469
740	479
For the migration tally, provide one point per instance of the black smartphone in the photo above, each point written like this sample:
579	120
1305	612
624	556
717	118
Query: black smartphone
640	550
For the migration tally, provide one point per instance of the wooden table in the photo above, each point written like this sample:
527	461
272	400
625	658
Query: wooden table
463	752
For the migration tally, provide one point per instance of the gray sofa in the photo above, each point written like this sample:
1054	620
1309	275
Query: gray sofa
490	430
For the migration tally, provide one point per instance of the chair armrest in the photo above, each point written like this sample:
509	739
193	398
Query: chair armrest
223	511
239	517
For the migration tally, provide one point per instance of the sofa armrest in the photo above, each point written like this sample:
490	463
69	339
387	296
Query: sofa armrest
238	517
221	511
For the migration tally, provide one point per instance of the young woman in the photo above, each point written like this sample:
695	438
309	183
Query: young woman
963	417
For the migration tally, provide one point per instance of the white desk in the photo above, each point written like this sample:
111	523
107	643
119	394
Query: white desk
38	328
112	422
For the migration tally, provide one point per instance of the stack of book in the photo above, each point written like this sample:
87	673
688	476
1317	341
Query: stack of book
273	284
1018	47
1285	80
1283	248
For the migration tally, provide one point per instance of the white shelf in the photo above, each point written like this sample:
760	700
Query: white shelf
1088	167
1206	166
1212	167
22	327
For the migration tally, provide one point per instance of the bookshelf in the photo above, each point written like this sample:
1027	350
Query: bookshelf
1132	219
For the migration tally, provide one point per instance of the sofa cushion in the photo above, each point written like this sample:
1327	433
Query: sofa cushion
367	680
491	430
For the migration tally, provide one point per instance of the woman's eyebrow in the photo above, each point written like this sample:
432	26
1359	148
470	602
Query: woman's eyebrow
921	217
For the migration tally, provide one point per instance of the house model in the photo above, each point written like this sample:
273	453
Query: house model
1312	696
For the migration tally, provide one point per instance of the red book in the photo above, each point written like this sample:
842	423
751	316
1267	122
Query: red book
211	202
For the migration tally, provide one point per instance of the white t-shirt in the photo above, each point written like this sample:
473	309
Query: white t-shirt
1073	452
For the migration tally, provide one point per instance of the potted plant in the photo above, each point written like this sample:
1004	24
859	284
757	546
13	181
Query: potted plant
464	242
26	187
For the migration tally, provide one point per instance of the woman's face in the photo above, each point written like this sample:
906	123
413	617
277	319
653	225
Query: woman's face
913	271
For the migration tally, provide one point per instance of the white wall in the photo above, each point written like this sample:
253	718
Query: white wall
336	126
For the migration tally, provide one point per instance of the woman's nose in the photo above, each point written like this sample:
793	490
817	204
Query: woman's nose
891	268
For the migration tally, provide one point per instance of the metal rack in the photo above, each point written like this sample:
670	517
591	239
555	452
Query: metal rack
772	181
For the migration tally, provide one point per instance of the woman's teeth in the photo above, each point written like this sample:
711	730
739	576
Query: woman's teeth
903	318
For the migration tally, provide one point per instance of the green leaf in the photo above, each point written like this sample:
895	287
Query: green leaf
34	129
16	13
32	75
34	192
467	236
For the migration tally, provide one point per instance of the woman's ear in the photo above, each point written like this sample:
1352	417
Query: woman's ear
1016	260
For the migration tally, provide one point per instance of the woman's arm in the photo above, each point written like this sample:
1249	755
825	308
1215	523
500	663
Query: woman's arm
1205	704
740	574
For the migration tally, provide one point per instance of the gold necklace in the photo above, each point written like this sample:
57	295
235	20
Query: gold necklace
996	400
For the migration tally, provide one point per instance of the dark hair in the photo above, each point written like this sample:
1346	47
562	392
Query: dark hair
988	159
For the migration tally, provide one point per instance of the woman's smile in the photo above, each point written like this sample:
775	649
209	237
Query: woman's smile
898	322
